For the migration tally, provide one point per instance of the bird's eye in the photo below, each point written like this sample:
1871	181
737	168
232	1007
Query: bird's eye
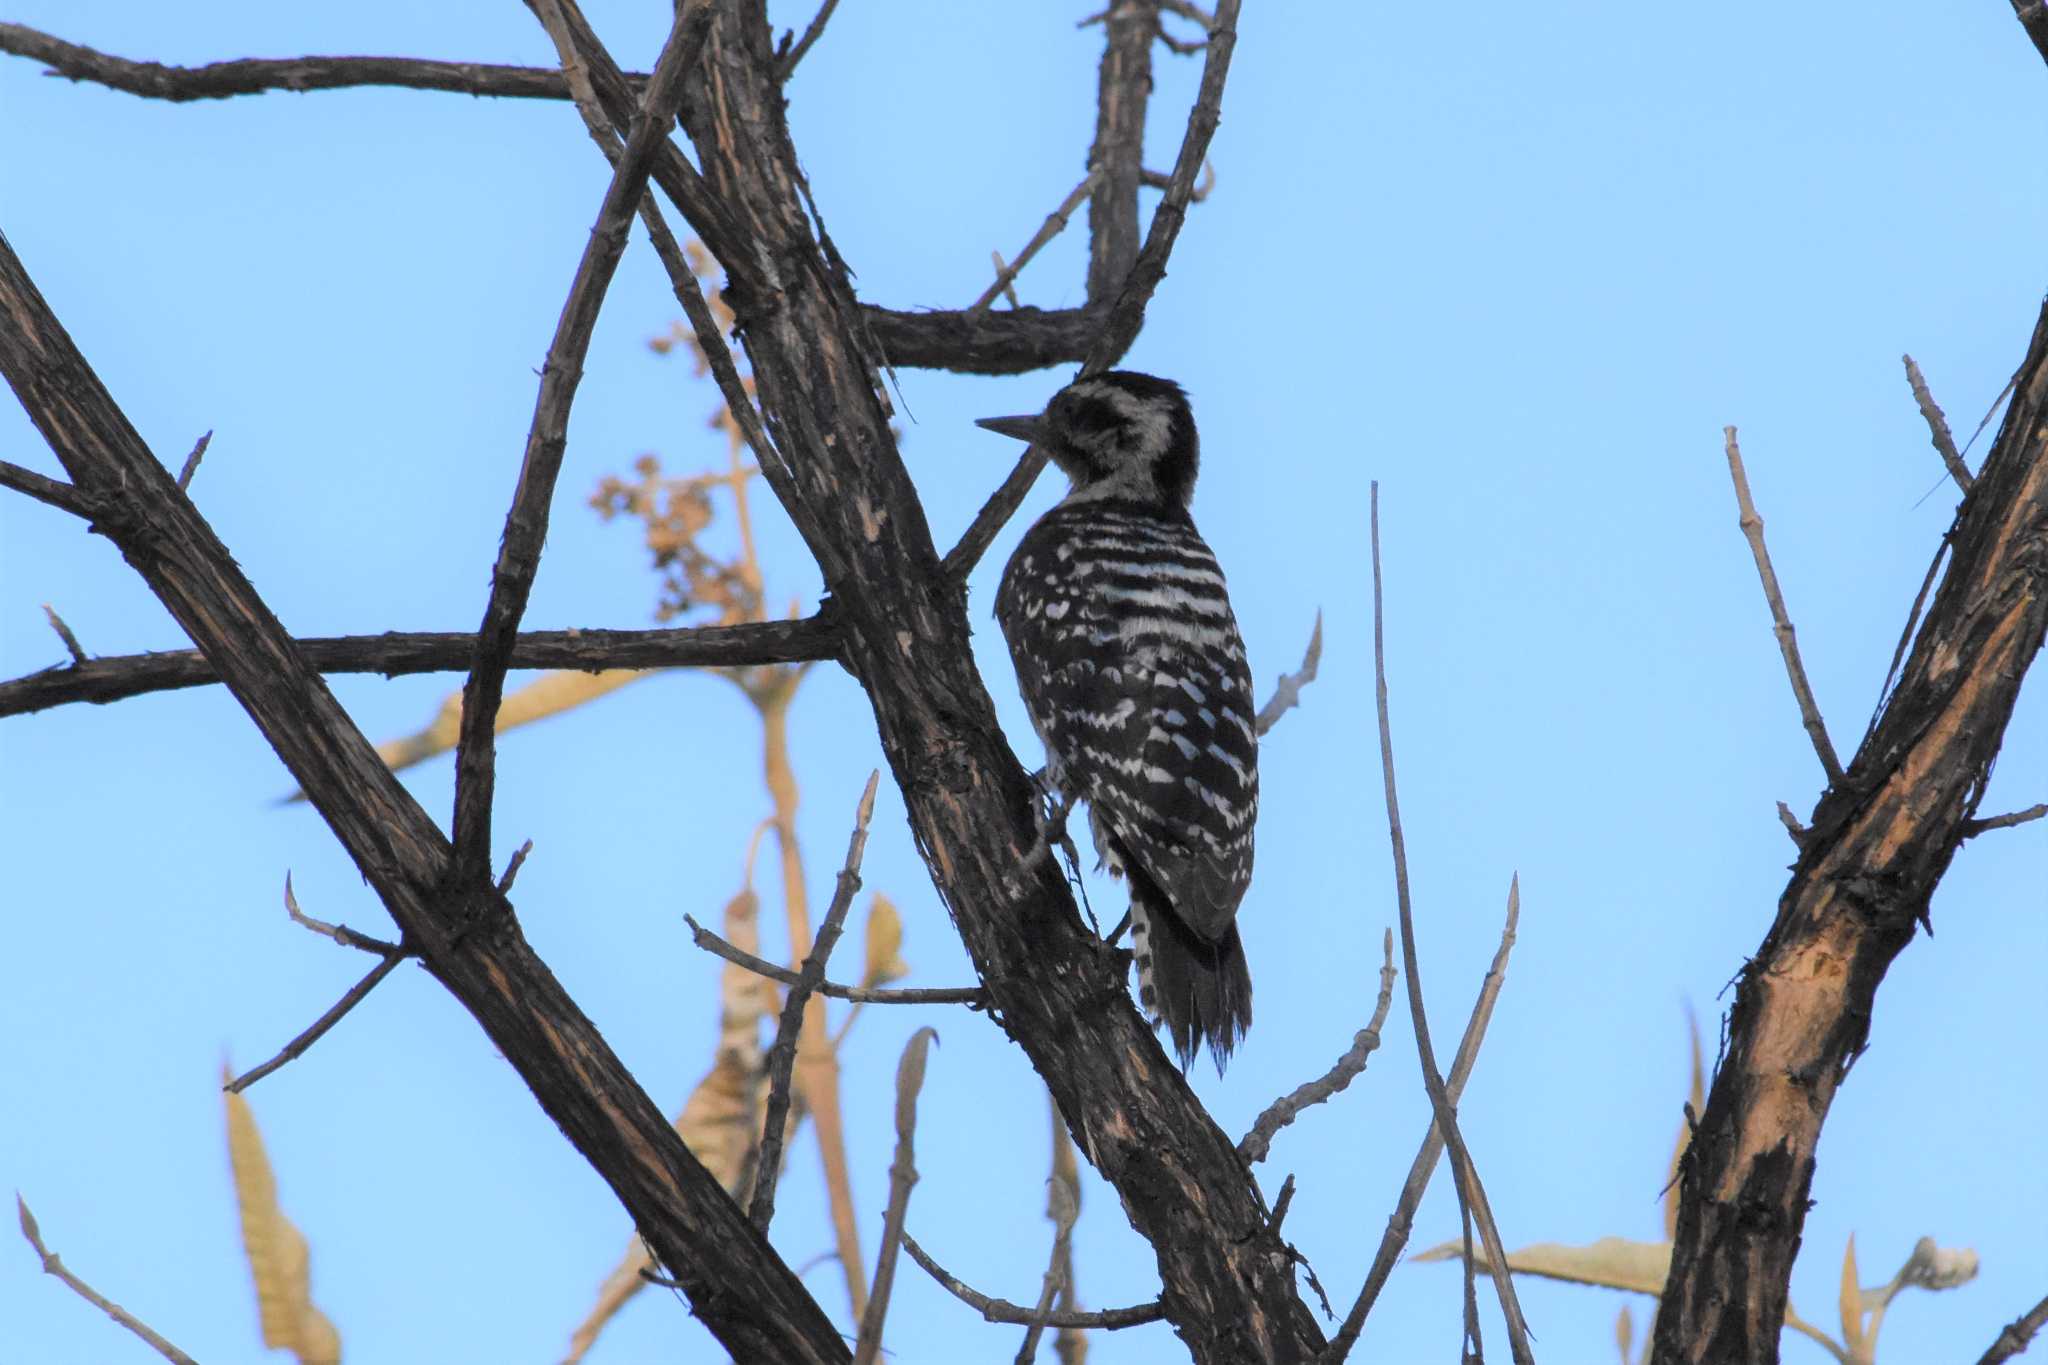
1088	416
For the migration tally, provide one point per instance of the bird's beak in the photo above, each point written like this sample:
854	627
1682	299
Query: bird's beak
1022	428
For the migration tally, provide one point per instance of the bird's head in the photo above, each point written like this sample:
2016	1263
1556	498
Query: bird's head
1117	434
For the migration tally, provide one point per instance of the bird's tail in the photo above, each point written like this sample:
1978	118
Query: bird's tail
1201	990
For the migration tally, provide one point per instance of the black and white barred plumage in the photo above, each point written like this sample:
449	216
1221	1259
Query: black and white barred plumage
1134	673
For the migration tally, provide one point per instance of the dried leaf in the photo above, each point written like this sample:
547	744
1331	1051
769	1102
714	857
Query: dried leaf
280	1262
548	695
884	962
1624	1333
1611	1262
1851	1303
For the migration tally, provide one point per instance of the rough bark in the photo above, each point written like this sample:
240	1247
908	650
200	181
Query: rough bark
1227	1286
394	652
1877	845
465	931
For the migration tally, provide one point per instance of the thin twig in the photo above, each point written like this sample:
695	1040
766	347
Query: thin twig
526	523
512	868
71	645
1781	623
1973	828
1287	692
2020	1331
860	995
254	76
711	342
1009	291
782	1055
117	678
1054	224
1792	825
1255	1144
1402	1220
192	461
1937	426
902	1176
1471	1196
1120	326
787	65
340	933
1891	674
44	489
1016	1314
1127	315
297	1046
1062	1206
1070	1344
1159	180
52	1265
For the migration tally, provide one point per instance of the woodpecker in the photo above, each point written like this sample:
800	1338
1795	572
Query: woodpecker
1134	674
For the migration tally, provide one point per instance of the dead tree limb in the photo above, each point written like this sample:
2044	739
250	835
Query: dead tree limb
465	931
394	653
1879	841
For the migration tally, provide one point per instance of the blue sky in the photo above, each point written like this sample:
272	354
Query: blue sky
1519	267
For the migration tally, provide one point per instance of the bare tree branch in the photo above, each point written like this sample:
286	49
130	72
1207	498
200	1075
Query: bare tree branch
44	489
1402	1220
395	653
1937	426
1059	995
192	461
1880	842
902	1176
2020	1332
71	645
318	1028
253	76
1973	828
782	1054
466	933
1781	623
1287	692
52	1265
867	995
812	32
1120	326
1471	1197
1016	1314
1283	1111
526	524
1055	223
2033	17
